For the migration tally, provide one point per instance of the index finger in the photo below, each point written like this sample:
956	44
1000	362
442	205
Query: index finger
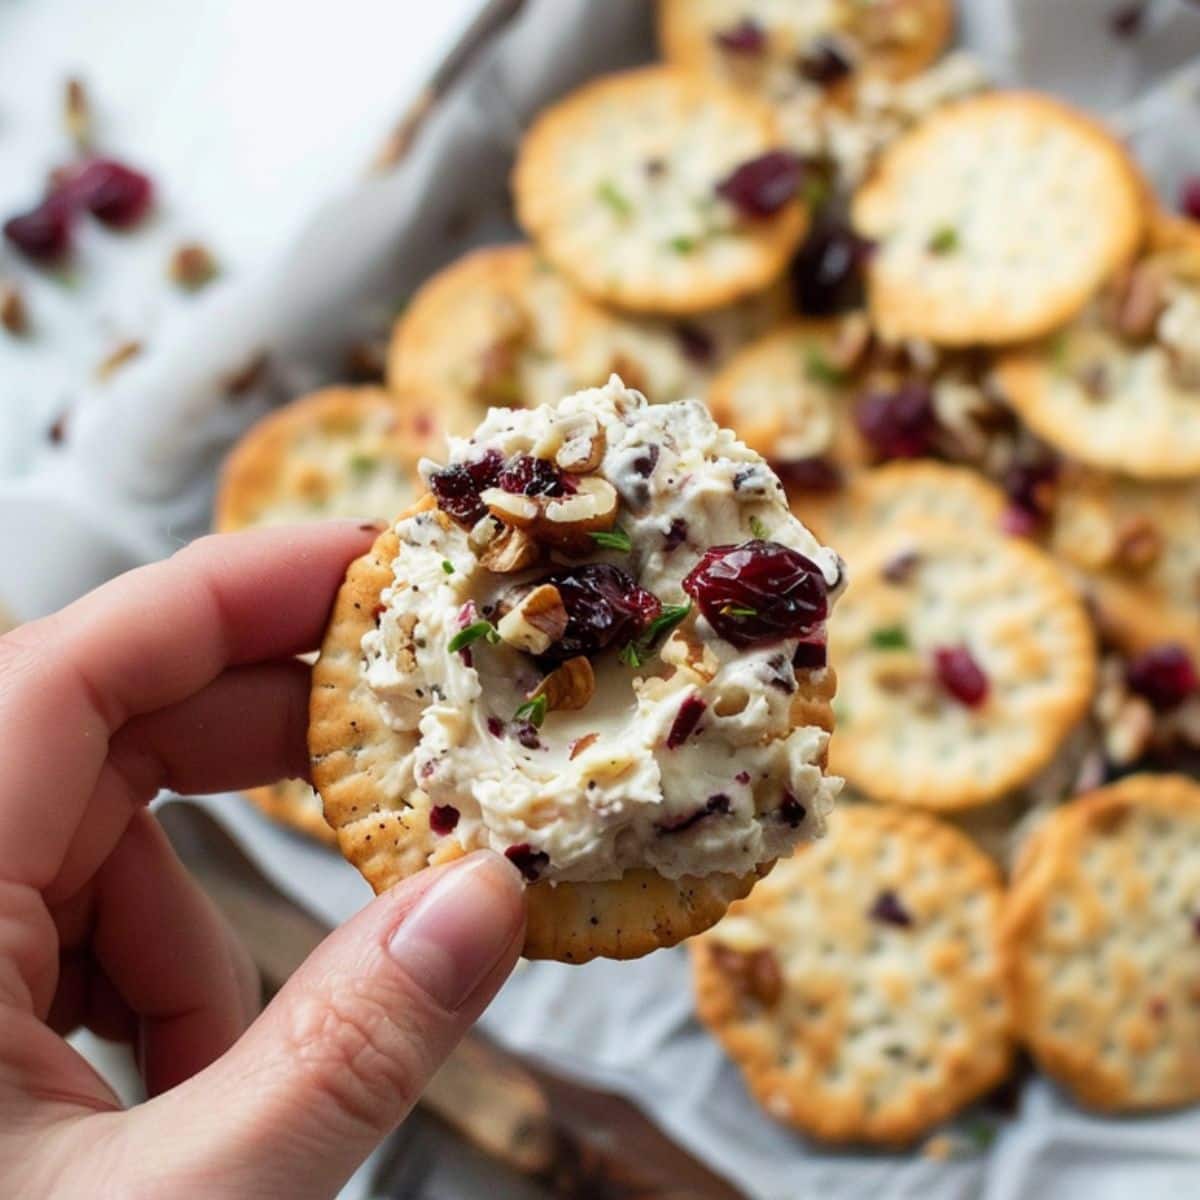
147	639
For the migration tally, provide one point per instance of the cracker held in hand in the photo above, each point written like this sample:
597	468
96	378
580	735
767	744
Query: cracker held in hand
341	452
598	649
660	191
996	220
1119	389
1103	929
860	987
965	660
483	332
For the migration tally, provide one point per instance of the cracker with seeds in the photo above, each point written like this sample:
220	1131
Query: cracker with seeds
341	452
1119	388
659	191
965	660
598	647
484	332
996	220
1102	929
860	988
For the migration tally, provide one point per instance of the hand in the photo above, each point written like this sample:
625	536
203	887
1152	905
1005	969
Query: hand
182	675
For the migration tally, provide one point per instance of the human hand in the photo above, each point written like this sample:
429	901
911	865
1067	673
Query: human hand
182	675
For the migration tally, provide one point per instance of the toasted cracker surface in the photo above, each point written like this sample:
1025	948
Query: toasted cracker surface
860	987
996	220
383	825
617	182
1101	927
293	802
927	586
341	451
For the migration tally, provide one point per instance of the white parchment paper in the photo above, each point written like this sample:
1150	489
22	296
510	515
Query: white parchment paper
135	481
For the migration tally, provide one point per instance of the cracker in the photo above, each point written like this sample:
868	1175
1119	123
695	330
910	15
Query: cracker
340	452
891	40
293	803
617	185
384	830
860	988
996	219
1135	549
928	586
1119	388
665	358
1102	928
483	332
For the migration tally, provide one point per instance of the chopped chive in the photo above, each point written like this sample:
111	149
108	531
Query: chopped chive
610	194
613	539
533	711
759	530
738	610
944	240
891	637
682	244
630	655
635	653
472	633
363	465
816	191
981	1133
447	566
820	370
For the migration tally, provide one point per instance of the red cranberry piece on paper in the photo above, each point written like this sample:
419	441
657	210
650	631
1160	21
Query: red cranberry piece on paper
44	233
960	674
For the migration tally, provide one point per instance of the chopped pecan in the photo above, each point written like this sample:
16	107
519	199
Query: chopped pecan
569	686
1136	301
566	521
536	621
583	445
1139	543
756	973
512	549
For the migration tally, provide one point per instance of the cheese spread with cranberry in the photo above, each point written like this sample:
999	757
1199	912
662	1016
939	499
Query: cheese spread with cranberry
598	636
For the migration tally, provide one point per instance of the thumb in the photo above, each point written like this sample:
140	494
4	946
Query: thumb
344	1050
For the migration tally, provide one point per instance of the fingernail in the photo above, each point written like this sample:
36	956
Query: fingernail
458	931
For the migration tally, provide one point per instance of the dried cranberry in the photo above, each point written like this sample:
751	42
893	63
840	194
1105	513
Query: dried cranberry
824	63
827	273
528	476
111	192
44	233
815	474
696	344
888	909
443	818
742	777
961	675
1189	197
899	424
746	37
676	534
526	733
456	488
899	568
758	592
1019	522
495	727
762	186
1164	675
791	812
645	463
720	803
810	656
686	720
530	862
604	606
1030	486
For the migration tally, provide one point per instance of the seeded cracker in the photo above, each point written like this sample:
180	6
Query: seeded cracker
625	186
964	660
860	988
471	695
996	220
1102	927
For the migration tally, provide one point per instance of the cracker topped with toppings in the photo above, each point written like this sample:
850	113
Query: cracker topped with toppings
598	649
995	220
660	191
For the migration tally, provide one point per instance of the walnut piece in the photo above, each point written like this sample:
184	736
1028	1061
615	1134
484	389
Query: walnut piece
512	549
569	686
565	522
536	621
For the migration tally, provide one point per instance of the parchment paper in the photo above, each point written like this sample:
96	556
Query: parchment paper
135	481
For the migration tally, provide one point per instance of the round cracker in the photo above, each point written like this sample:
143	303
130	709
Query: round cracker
385	832
1135	548
293	803
996	219
893	40
1102	927
849	1025
1112	403
340	452
483	332
901	738
657	238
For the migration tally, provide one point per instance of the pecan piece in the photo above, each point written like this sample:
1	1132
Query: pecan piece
536	621
569	686
757	973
